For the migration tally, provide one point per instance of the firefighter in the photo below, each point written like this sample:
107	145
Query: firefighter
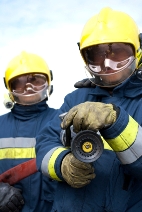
28	80
110	46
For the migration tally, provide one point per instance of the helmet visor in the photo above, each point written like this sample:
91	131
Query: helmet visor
29	82
117	52
107	62
111	79
29	89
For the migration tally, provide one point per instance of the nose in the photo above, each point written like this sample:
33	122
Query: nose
28	86
28	89
107	63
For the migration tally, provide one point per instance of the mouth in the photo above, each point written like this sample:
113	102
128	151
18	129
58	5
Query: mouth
29	92
107	72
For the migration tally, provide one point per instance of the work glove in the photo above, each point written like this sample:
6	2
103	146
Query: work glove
85	83
11	199
90	116
76	173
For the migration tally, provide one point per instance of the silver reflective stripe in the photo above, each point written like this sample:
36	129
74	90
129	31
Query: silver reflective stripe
45	161
133	152
19	142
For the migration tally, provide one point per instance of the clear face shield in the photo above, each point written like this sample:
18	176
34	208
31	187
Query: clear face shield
109	64
29	89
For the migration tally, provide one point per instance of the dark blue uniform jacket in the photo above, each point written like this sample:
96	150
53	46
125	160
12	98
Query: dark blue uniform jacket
18	130
117	187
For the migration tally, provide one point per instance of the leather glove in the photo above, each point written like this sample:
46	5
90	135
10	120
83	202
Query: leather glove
11	199
90	116
85	83
76	173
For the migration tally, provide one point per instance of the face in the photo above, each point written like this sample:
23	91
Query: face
111	63
28	99
29	89
116	77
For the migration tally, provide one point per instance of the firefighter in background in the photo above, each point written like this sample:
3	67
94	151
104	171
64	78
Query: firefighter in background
28	80
111	48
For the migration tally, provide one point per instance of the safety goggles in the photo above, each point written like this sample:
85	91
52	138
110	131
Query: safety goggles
30	82
116	56
117	66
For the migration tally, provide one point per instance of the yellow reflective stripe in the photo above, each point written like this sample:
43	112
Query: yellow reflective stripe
126	138
132	154
17	153
51	163
106	145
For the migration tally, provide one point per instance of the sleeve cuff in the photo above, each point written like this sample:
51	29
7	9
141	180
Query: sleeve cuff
115	129
59	162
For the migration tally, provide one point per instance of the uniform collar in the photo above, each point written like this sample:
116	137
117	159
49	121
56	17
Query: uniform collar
131	88
29	111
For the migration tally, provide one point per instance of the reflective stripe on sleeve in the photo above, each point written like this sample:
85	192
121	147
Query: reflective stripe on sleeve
126	138
133	152
128	145
49	160
106	145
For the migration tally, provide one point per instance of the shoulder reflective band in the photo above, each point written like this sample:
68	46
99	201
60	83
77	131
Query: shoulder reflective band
19	172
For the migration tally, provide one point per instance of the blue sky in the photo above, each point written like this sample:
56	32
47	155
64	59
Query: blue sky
51	29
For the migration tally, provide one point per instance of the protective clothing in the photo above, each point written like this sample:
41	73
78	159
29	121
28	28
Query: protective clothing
90	116
27	63
118	183
110	59
76	173
10	198
99	28
19	129
117	186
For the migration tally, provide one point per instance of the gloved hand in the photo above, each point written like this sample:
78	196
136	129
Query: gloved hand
76	173
85	83
11	199
90	116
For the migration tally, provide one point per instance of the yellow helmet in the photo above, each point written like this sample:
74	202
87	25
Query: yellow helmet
111	26
26	63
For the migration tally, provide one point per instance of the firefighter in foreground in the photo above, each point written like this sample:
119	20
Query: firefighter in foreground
28	80
110	46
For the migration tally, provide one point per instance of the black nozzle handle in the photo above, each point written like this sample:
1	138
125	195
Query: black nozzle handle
68	137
